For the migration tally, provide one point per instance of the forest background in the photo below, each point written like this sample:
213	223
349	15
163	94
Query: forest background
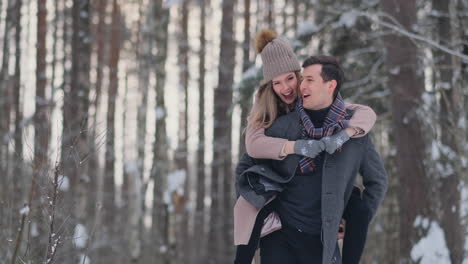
121	122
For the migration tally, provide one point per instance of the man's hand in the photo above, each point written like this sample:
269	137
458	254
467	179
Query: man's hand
309	148
342	229
334	142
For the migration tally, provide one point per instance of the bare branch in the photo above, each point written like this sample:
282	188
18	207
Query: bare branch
401	30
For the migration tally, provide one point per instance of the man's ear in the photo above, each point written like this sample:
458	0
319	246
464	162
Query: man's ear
332	86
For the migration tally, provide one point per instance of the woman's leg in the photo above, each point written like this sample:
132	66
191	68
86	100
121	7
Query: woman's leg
357	216
245	253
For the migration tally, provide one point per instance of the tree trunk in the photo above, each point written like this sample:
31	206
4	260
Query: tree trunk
41	133
451	104
123	214
75	120
295	16
181	155
109	206
160	169
270	14
145	59
96	131
200	200
18	193
221	172
245	104
407	86
5	91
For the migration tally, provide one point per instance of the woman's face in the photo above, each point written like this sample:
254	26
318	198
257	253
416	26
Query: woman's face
286	86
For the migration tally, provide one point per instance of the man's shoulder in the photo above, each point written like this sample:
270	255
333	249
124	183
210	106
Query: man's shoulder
349	113
365	141
283	123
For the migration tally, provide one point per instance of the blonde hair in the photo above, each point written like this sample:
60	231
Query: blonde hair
268	105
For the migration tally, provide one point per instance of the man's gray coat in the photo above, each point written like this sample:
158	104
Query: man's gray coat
339	173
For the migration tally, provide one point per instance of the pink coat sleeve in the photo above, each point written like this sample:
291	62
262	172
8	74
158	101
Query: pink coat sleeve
260	146
363	118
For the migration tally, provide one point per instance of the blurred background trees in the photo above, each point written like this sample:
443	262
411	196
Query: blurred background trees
121	122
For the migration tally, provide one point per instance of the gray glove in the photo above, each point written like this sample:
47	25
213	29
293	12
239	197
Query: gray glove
309	148
334	142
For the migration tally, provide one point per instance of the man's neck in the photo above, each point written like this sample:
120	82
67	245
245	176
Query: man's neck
317	116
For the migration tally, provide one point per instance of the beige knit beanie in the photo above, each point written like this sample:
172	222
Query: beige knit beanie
277	55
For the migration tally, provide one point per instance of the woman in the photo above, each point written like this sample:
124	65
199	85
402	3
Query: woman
276	96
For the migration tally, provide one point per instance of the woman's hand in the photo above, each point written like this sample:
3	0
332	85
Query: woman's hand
334	142
309	148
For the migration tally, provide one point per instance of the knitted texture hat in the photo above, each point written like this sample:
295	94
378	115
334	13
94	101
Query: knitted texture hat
277	55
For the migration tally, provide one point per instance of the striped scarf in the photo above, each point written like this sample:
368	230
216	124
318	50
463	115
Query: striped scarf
334	122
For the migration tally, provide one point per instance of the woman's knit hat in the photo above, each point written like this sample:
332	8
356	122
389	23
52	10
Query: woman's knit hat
277	55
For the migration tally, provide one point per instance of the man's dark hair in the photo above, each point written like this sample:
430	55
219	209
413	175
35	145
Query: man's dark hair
331	69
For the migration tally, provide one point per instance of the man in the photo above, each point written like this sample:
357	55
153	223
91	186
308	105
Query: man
311	205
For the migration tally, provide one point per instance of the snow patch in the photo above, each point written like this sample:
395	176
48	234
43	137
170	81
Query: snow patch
306	28
80	236
348	19
395	70
421	221
175	181
64	183
25	210
171	3
34	230
464	211
431	248
250	73
163	249
160	113
462	123
84	14
464	202
131	167
84	259
435	153
444	85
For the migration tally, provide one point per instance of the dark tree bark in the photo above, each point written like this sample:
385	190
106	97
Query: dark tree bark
160	169
19	181
41	131
5	91
41	135
295	15
96	131
181	155
221	171
200	200
245	100
407	85
451	104
270	19
124	211
74	159
109	206
145	59
284	18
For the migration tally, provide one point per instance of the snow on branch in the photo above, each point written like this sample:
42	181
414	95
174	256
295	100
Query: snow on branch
398	28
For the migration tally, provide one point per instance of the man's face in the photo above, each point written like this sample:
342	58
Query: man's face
316	93
285	86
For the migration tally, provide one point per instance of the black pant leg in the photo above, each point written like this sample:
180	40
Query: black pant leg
245	253
357	216
275	248
308	248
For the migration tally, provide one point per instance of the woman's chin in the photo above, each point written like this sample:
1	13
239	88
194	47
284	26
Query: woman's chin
290	100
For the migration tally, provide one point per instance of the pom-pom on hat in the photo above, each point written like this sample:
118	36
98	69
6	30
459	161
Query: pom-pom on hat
277	55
